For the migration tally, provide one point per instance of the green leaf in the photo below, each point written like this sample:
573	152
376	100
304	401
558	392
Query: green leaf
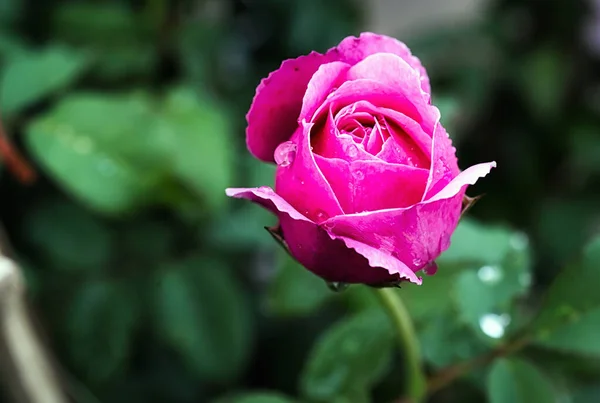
113	33
202	314
498	272
444	330
578	335
517	381
295	291
544	79
69	237
351	356
202	153
30	77
91	146
255	397
100	322
570	314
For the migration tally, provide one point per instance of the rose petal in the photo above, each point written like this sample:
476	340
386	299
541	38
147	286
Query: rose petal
415	235
444	165
373	185
320	86
302	184
273	116
467	177
330	143
391	70
378	94
312	247
352	50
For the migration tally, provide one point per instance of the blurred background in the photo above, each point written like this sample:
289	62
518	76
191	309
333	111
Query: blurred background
124	123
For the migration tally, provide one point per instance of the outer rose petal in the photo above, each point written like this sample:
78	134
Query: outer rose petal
415	235
352	50
302	184
312	247
444	166
320	85
273	116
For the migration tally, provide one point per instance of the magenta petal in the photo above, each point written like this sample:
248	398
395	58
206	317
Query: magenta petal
378	94
391	70
352	50
444	166
273	116
266	197
378	258
415	235
303	185
312	247
320	86
353	183
467	177
329	143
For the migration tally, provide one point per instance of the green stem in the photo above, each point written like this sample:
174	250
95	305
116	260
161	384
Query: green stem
405	333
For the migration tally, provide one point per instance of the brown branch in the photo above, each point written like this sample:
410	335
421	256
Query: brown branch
15	162
449	374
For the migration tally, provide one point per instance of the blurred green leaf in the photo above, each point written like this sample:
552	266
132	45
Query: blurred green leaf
517	381
255	397
557	217
100	320
349	357
69	237
484	296
295	291
584	147
202	313
445	340
544	79
30	77
432	297
91	145
475	244
112	32
570	315
202	156
11	46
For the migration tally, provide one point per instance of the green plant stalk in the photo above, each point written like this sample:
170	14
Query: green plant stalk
409	344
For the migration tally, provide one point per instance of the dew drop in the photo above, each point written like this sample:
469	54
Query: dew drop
519	241
360	175
351	150
494	325
430	269
490	274
285	153
321	215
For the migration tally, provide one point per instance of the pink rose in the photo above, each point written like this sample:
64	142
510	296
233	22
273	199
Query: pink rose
367	187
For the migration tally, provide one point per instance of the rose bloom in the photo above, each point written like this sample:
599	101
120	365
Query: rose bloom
367	187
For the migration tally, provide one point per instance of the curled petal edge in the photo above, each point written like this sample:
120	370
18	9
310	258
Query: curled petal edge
270	200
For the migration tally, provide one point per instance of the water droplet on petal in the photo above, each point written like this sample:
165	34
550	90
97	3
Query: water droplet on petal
360	175
494	325
321	216
351	150
490	274
430	269
285	153
418	262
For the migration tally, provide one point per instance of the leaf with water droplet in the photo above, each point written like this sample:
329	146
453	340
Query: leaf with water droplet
88	154
337	286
